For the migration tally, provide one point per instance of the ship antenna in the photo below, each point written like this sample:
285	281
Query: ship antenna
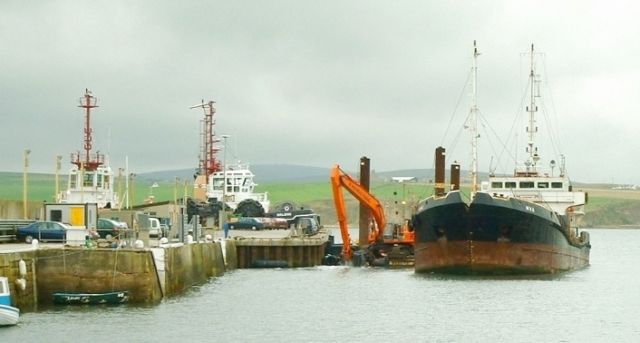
532	109
473	118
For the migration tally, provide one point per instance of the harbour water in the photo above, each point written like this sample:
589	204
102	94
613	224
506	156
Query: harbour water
341	304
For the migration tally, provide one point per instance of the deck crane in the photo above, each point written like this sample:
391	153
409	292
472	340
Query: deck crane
341	179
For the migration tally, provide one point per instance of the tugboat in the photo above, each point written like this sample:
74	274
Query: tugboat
519	224
91	178
237	193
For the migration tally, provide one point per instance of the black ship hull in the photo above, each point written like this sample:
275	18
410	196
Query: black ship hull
494	236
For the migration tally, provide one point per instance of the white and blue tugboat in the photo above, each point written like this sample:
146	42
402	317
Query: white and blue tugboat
9	315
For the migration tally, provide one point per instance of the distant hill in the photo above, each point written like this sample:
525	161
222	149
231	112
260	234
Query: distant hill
265	173
277	173
606	207
287	173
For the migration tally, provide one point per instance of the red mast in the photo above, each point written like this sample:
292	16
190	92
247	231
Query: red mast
86	161
208	162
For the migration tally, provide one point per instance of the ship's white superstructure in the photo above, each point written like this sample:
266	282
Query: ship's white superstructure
239	186
91	186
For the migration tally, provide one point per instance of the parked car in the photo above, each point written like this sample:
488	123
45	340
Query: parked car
43	231
246	223
111	227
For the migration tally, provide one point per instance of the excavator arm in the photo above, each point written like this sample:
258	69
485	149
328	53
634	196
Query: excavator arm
341	179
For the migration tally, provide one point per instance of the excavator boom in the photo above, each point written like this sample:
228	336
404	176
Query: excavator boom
340	179
341	211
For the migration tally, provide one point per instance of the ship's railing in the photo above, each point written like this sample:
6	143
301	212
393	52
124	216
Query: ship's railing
78	157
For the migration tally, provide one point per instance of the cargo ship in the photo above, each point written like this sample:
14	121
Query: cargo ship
524	223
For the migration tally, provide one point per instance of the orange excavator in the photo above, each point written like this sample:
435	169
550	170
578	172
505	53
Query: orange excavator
402	239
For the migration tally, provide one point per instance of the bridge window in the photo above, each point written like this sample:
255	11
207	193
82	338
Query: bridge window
526	184
509	185
496	185
556	185
88	180
543	185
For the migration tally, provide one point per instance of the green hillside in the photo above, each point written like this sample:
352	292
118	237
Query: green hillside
605	207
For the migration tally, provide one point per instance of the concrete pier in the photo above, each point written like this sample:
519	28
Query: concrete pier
148	274
288	252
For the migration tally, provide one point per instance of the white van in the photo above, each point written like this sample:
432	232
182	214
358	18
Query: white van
154	228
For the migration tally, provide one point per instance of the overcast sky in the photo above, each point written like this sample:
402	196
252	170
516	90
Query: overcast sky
318	82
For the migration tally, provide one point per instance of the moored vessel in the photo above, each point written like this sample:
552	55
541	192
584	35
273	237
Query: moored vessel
525	223
217	182
66	298
9	315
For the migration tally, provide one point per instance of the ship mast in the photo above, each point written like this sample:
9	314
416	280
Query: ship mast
208	162
90	163
473	119
532	150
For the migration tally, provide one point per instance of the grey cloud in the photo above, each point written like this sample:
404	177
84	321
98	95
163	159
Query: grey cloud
311	82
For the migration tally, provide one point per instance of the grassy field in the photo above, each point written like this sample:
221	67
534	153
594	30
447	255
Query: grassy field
606	207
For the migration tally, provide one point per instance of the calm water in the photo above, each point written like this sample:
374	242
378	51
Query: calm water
331	304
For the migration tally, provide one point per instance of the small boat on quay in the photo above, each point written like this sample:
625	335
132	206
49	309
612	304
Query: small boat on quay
63	298
9	315
525	223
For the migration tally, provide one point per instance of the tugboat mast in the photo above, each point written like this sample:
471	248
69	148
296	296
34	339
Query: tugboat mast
88	101
208	162
91	178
